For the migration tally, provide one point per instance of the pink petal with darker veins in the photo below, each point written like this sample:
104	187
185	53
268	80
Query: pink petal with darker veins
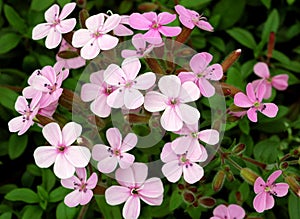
155	101
181	144
259	185
280	82
52	13
236	211
206	88
131	67
192	174
114	75
81	37
200	61
170	85
53	39
114	138
188	114
172	171
144	81
86	197
129	142
271	179
139	22
62	167
99	106
167	155
252	114
132	208
270	110
67	9
204	25
187	76
89	92
78	156
153	36
107	42
108	164
165	18
170	120
52	133
221	211
40	31
241	100
126	160
70	132
250	92
152	188
116	98
281	189
261	69
66	26
73	199
16	124
133	98
169	31
116	195
209	136
45	156
90	50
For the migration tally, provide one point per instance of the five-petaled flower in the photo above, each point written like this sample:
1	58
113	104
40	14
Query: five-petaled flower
178	164
190	19
154	24
202	73
96	38
55	26
110	157
173	101
128	83
82	193
231	211
134	187
253	101
280	82
266	190
64	156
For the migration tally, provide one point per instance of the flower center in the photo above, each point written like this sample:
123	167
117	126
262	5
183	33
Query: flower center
61	148
195	134
173	101
97	34
155	25
51	88
108	90
26	114
134	191
81	187
183	161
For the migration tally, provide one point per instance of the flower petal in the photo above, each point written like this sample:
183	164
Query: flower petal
107	42
152	201
165	18
138	41
66	26
133	98
181	144
100	152
67	9
144	81
126	160
94	22
170	85
16	124
214	72
70	132
170	120
187	76
63	169
152	188
86	197
114	75
206	88
52	13
139	22
200	61
269	201
280	82
81	37
53	39
189	114
116	98
259	185
129	142
97	77
261	69
69	182
52	133
241	100
127	53
236	211
114	138
189	92
92	181
78	156
45	156
131	67
271	179
155	101
116	195
252	114
221	211
132	208
281	189
99	106
209	136
89	91
270	110
172	171
73	199
192	173
111	23
90	50
40	31
167	155
152	36
259	202
250	92
169	31
108	164
122	30
204	25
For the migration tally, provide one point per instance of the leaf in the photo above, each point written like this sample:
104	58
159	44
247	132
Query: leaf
294	203
244	125
243	36
280	57
17	145
32	212
175	200
271	25
34	170
266	3
22	194
195	213
48	179
63	2
107	210
266	151
38	5
64	212
14	19
7	188
58	194
125	6
290	2
247	68
292	66
217	42
9	41
194	4
6	215
230	11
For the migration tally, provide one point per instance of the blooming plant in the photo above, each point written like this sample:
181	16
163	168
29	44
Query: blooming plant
150	114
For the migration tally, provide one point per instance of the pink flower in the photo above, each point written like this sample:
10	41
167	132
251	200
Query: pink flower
189	141
22	123
82	187
128	83
121	29
55	26
253	101
280	82
141	47
190	19
178	164
110	157
134	187
173	101
265	190
64	156
72	63
202	73
98	91
95	37
232	211
155	25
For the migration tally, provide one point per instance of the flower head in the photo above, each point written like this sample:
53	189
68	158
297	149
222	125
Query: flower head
128	84
232	211
55	26
178	164
110	157
190	19
202	73
96	38
172	100
98	91
82	193
253	101
266	190
155	25
134	187
64	156
279	82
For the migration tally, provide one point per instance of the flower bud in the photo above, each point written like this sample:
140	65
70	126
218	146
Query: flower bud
238	149
83	15
189	197
230	59
81	3
207	202
294	185
248	175
147	6
218	180
68	54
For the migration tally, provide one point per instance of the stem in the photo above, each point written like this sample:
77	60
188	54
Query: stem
271	45
154	65
184	35
255	162
83	211
230	59
285	157
13	71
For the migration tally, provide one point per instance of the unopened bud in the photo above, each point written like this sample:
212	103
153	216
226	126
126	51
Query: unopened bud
189	197
248	175
229	89
68	54
230	59
81	3
207	202
294	185
284	165
68	37
180	186
83	15
218	180
147	6
229	174
238	149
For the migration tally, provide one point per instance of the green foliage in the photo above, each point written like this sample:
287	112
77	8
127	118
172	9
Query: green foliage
17	145
9	41
244	37
22	194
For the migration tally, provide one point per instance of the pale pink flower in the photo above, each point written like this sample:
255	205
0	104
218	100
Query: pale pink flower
232	211
189	141
134	187
55	26
253	101
64	156
266	190
154	24
97	91
82	187
172	100
177	165
141	47
96	38
202	73
128	83
110	157
279	82
190	19
121	29
72	63
28	111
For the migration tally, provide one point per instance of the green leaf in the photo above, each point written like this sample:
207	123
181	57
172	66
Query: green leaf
280	57
107	210
34	170
58	194
14	19
17	145
234	77
292	66
22	194
64	212
9	41
230	11
38	5
243	36
125	6
294	209
63	2
32	212
175	200
7	188
290	2
217	42
194	4
48	179
6	215
195	213
244	125
247	68
266	3
271	25
244	190
266	151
